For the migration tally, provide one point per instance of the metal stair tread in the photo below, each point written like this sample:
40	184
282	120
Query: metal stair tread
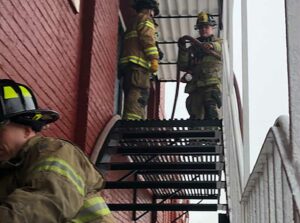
169	123
167	207
175	159
164	184
162	166
161	150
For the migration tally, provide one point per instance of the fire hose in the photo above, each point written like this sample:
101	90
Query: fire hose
194	42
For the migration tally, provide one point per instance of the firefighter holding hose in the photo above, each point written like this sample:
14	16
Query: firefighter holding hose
203	63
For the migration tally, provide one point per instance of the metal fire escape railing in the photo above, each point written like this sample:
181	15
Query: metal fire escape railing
177	159
272	193
173	159
233	144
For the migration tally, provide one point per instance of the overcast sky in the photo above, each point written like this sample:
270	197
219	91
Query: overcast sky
268	92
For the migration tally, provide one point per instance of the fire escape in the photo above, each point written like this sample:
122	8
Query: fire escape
178	161
175	159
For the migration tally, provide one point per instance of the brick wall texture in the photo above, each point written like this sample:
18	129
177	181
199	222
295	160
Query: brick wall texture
39	44
103	68
70	62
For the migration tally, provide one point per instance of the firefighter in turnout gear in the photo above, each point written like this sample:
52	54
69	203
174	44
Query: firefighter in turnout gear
42	179
203	64
139	59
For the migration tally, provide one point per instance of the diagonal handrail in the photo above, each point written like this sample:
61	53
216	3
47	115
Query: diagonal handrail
102	137
278	169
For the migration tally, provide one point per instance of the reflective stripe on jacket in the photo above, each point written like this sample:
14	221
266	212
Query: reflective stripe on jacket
55	183
140	42
93	208
205	68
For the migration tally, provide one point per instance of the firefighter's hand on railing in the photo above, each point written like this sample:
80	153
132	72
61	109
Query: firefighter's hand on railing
154	66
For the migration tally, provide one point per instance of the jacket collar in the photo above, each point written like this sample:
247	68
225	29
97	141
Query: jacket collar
206	39
18	160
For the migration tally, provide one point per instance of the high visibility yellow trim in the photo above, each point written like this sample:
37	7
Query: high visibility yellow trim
213	80
151	51
146	23
132	116
61	167
131	34
217	46
25	92
150	24
92	209
137	60
93	201
37	117
9	92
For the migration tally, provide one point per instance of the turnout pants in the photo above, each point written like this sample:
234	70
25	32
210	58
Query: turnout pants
204	102
136	86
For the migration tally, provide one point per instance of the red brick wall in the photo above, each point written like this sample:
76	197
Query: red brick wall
103	68
39	47
44	44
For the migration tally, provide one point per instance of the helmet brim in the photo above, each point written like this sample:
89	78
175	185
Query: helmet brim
197	26
42	115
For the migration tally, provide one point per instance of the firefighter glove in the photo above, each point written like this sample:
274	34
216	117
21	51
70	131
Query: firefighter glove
154	66
181	43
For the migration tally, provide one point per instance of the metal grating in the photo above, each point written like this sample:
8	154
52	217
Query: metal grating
176	159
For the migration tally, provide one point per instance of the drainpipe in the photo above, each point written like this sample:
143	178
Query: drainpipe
245	70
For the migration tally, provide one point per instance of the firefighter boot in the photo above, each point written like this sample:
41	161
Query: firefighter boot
210	110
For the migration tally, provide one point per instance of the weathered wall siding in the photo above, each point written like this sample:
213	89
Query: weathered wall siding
39	46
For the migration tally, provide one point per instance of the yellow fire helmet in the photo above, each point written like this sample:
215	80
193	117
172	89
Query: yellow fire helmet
18	104
204	19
